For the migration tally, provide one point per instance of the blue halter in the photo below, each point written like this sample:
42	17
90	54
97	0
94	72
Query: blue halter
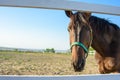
79	44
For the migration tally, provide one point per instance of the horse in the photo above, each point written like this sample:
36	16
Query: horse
86	30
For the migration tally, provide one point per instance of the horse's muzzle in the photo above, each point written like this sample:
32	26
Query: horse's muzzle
79	65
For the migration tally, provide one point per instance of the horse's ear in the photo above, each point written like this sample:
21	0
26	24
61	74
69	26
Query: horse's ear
69	13
87	15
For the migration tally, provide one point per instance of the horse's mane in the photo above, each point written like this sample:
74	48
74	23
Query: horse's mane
102	25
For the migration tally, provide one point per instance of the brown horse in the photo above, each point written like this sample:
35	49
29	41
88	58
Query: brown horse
85	31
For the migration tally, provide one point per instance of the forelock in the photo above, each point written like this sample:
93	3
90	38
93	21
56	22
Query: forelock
81	17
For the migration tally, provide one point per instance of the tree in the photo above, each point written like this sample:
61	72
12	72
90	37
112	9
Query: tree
52	50
16	50
49	50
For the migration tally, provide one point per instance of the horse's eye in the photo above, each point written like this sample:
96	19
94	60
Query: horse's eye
68	29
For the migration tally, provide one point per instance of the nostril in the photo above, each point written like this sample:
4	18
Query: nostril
80	64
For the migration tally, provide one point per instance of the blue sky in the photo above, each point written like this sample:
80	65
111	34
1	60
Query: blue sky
40	28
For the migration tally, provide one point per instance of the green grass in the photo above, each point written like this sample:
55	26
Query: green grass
14	63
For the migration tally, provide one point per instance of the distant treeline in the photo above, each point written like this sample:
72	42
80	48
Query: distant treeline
47	50
19	51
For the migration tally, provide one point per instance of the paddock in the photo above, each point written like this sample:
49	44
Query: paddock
78	6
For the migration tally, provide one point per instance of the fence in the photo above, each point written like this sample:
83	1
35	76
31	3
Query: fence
66	5
72	77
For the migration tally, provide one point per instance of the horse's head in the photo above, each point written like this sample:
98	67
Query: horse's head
80	38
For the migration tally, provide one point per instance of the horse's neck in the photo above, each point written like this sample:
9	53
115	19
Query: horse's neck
101	41
107	44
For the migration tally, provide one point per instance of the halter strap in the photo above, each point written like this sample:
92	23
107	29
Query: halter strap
79	44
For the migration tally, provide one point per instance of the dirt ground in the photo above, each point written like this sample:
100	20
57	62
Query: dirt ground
12	63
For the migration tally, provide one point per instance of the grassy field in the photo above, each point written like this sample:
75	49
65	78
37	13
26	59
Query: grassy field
12	63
